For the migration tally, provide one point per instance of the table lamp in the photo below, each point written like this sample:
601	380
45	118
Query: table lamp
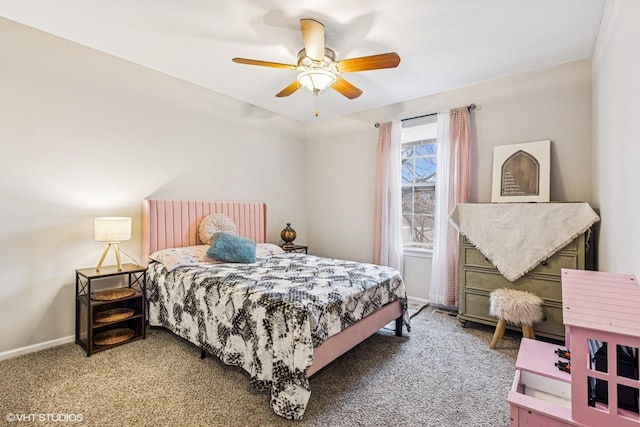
112	230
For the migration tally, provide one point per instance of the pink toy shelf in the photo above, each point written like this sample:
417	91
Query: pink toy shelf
601	313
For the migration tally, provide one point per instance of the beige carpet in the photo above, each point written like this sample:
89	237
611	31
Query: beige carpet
439	375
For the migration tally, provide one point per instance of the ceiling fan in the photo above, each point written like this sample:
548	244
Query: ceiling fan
319	68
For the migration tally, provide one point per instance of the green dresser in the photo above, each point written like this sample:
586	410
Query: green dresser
478	277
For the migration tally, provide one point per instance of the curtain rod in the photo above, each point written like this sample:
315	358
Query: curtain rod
469	107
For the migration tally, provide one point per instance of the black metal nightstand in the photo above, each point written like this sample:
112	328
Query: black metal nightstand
106	314
299	249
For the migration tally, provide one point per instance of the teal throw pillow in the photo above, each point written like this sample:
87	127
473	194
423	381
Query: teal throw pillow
231	248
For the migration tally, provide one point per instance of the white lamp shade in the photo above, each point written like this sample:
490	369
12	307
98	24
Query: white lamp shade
316	80
112	229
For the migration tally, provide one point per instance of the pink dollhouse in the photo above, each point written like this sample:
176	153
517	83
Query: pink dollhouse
601	314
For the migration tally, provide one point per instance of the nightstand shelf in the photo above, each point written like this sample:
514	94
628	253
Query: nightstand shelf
95	318
298	249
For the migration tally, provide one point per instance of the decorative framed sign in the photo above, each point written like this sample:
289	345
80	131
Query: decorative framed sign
521	172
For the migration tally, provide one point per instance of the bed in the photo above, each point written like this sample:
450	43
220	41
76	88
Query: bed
281	318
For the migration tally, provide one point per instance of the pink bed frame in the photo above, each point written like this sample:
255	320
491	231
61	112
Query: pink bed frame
174	223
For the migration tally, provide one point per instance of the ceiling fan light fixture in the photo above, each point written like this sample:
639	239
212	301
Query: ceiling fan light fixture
319	69
316	80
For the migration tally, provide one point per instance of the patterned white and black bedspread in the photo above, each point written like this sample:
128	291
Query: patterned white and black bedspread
266	317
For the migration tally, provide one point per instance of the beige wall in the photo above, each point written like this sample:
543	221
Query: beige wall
85	134
553	104
616	137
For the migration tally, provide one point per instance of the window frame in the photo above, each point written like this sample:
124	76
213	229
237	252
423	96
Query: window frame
418	133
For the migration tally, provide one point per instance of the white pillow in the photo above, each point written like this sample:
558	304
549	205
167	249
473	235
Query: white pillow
215	223
173	258
267	249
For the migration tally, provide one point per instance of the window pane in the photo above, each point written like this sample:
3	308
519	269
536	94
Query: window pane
423	229
407	232
407	200
407	170
425	169
407	152
423	201
426	149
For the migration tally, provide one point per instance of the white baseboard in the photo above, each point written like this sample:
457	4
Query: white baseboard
36	347
420	301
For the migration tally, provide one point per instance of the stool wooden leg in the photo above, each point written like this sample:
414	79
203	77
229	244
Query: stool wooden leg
527	332
502	330
499	333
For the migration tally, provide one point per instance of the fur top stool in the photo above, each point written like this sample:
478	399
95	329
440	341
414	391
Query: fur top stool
520	308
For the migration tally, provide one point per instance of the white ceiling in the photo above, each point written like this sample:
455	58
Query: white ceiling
443	44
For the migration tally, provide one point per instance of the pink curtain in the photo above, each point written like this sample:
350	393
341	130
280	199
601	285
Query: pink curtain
388	209
460	136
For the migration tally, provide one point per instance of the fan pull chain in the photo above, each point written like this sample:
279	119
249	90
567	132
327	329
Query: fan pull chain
317	105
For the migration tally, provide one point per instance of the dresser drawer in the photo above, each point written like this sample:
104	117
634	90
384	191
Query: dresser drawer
489	281
552	321
574	244
571	246
553	265
471	257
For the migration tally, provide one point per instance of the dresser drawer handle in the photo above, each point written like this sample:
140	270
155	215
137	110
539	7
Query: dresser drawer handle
544	263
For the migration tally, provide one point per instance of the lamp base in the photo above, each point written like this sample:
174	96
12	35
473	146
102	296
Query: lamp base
116	249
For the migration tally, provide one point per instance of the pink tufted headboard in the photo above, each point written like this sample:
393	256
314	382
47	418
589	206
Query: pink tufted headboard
174	223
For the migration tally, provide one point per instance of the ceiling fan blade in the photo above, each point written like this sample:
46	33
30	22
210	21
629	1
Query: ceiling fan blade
313	36
345	88
364	63
263	63
289	89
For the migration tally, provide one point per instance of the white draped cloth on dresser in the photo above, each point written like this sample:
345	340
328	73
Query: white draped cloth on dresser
516	237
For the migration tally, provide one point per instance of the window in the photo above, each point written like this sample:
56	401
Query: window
419	163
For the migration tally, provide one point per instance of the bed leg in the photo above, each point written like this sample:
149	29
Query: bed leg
203	354
399	322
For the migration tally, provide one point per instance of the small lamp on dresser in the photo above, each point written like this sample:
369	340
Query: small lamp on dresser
112	230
